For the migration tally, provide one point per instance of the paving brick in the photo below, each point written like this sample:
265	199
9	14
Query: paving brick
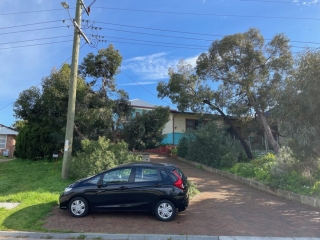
224	207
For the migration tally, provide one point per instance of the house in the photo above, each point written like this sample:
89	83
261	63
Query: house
178	122
7	140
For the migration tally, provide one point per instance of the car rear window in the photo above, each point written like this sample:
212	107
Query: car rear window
146	175
180	173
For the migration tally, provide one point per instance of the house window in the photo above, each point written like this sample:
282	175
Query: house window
193	123
138	114
3	140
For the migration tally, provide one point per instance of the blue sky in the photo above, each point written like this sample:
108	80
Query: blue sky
184	30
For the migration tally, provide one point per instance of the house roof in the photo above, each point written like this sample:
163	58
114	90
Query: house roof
7	130
140	103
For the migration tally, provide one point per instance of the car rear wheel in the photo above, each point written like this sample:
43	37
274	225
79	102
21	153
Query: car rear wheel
78	207
165	210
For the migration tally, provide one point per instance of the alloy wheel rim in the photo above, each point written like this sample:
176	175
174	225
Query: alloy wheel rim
78	207
165	210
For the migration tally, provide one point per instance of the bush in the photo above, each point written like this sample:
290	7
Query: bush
210	145
98	156
192	189
243	169
145	131
174	151
183	146
35	142
316	189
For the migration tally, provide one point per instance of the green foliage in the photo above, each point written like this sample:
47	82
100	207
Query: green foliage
210	145
46	106
298	107
191	92
174	151
103	66
183	146
280	171
192	189
250	71
98	156
243	169
145	131
35	142
292	181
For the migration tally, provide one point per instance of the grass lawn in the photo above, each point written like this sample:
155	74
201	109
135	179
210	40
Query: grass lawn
36	185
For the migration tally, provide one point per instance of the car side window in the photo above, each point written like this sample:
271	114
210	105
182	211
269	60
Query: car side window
94	180
117	176
166	178
146	175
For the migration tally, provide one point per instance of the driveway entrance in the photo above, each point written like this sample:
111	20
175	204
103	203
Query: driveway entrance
223	208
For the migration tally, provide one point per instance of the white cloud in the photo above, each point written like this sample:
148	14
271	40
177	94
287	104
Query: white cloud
154	66
309	3
305	2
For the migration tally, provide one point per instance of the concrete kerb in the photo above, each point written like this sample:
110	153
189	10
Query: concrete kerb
314	202
56	236
51	235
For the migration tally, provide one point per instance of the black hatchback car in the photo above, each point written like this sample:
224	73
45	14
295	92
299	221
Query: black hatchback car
158	188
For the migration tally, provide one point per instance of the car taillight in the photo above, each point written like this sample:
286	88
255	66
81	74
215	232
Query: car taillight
179	182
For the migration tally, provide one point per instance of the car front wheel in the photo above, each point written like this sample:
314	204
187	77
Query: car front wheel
165	210
78	207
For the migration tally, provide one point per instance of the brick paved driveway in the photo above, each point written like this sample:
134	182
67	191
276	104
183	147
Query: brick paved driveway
224	207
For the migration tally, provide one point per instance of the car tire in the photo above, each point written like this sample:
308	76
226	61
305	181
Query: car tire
165	210
78	207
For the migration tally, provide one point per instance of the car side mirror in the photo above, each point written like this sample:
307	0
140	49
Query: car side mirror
100	183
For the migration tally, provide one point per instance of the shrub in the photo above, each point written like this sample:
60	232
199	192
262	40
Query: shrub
98	156
316	189
183	146
210	145
145	131
35	142
174	151
192	189
243	169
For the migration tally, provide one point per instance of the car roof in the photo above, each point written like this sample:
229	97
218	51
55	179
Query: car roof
147	164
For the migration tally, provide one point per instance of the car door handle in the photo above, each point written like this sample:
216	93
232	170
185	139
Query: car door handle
122	188
157	185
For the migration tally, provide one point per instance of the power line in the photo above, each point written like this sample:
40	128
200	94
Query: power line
172	44
210	14
37	39
185	13
153	34
40	82
30	24
187	45
36	11
174	31
35	45
170	104
30	30
156	45
156	29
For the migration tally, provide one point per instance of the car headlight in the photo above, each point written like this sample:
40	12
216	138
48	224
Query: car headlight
68	189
